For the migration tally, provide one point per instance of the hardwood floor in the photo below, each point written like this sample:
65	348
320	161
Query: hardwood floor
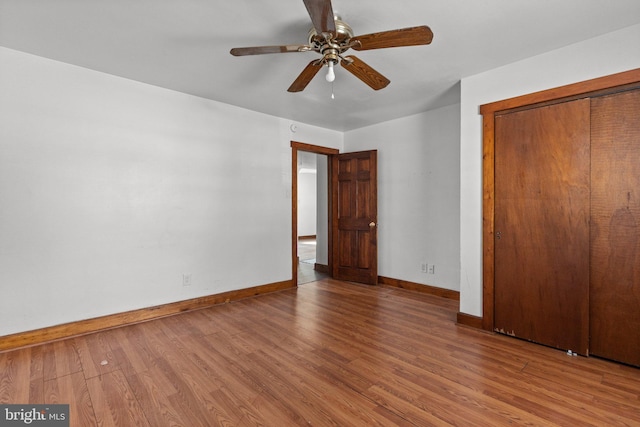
328	353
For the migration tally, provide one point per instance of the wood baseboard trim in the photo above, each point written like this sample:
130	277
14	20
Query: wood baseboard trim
322	268
412	286
83	327
469	320
307	237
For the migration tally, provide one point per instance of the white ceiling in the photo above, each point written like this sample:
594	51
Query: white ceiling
184	45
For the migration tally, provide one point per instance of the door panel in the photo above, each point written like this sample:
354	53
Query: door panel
355	254
542	225
615	228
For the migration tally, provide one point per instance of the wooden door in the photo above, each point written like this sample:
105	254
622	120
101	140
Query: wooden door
615	227
354	221
542	225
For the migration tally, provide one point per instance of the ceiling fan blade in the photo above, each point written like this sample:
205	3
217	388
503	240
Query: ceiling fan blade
259	50
412	36
364	72
321	13
306	76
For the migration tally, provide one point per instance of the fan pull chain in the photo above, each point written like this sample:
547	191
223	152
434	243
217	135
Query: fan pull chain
332	96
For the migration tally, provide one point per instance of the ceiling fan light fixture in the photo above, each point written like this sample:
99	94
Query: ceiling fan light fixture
331	76
331	37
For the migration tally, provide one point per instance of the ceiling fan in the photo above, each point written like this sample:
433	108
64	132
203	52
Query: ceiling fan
331	37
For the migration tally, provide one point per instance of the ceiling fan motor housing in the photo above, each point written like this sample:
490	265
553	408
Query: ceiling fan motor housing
331	46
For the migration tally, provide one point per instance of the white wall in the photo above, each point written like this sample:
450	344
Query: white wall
111	190
322	216
418	194
307	198
611	53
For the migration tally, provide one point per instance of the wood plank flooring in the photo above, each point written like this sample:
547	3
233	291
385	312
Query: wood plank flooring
328	353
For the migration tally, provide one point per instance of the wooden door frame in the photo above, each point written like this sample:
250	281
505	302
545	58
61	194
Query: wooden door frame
295	147
627	80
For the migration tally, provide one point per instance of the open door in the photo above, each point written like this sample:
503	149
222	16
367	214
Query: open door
354	224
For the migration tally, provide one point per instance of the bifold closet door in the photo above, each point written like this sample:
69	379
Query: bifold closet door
542	191
615	227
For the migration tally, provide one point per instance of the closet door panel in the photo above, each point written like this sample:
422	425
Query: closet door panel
542	225
615	228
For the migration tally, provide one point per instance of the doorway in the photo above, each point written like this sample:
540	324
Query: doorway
310	233
351	219
313	220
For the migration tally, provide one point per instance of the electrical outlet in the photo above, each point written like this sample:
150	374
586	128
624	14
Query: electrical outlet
423	267
186	280
431	269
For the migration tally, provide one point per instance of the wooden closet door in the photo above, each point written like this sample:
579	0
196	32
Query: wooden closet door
615	227
542	225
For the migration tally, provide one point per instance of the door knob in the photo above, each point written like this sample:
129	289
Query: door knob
372	224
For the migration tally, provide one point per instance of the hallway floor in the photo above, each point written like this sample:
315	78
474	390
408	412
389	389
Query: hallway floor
307	257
